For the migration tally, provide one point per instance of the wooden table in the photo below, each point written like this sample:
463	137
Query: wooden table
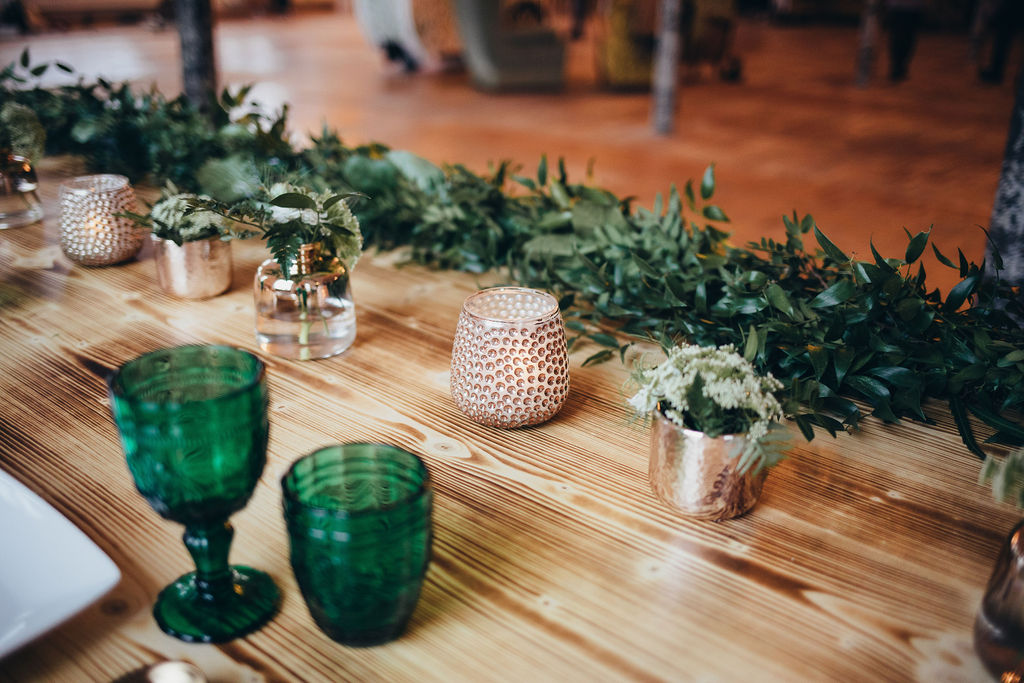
864	560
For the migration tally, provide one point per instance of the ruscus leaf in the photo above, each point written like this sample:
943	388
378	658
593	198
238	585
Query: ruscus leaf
604	339
830	249
942	259
714	213
836	294
294	200
777	297
958	295
916	246
750	349
707	183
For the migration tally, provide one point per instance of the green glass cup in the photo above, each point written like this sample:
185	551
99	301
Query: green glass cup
193	423
359	526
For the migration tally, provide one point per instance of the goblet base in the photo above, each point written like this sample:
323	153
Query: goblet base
182	611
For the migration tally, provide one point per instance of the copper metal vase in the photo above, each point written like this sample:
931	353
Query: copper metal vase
194	270
696	474
999	627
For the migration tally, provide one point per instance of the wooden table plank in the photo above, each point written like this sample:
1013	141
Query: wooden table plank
864	560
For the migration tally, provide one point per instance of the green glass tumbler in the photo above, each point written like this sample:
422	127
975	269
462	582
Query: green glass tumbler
359	526
193	423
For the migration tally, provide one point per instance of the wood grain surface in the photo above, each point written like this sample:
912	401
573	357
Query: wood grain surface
864	560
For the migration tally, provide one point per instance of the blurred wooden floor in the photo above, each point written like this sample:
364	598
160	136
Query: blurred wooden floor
796	134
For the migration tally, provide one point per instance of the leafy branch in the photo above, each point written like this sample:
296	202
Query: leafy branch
288	216
1006	476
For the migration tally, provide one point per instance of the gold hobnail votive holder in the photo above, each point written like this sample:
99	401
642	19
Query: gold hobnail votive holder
510	365
91	232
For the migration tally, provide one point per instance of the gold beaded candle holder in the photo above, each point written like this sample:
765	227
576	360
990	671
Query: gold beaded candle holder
90	232
510	366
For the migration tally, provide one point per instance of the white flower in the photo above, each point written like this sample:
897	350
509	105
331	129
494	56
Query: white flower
735	398
170	215
642	400
283	214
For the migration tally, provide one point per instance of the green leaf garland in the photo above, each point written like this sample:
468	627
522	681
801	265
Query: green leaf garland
828	326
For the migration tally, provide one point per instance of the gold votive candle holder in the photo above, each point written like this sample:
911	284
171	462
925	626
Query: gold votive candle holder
91	232
510	365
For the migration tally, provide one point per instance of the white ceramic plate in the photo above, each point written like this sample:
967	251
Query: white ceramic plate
49	569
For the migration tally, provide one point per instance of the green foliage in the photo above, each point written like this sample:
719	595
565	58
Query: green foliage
1006	475
20	131
141	135
831	328
289	216
174	217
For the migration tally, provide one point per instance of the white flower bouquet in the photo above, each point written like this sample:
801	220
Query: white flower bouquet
717	392
181	217
174	218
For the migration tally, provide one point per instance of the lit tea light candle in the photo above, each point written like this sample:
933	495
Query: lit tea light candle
91	232
510	365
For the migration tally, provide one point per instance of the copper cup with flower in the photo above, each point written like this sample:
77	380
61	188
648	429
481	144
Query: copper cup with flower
191	247
715	430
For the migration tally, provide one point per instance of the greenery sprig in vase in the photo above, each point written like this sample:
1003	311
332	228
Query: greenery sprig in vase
173	218
1006	476
21	144
299	216
304	306
21	134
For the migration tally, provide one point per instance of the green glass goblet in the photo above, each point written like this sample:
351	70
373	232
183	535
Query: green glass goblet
359	526
193	423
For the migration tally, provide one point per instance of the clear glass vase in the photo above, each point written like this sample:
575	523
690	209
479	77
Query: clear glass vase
19	203
999	627
307	313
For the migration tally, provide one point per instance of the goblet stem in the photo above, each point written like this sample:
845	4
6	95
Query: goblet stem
209	544
217	602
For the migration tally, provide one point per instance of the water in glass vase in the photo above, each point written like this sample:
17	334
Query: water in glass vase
305	316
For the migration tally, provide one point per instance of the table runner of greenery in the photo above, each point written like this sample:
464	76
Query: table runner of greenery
830	327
